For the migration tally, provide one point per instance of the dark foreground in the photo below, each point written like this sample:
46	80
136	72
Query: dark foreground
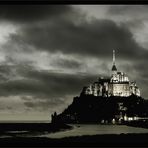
15	135
32	127
139	140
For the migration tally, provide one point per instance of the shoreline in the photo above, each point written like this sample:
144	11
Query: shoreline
18	138
32	126
96	140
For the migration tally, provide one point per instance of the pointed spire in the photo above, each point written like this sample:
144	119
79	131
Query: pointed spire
114	65
113	57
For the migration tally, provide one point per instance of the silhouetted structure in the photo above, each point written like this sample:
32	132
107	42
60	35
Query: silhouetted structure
98	109
109	100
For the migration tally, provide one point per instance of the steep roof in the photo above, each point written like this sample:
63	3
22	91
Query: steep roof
114	68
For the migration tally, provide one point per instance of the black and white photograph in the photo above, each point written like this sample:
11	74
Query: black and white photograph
73	75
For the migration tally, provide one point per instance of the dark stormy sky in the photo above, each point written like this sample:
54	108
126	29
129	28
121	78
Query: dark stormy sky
48	53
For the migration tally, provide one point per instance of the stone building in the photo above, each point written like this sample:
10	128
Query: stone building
117	84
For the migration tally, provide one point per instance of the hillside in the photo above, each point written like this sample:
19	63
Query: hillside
91	109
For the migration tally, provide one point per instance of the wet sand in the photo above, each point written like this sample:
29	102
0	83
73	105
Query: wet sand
79	135
109	140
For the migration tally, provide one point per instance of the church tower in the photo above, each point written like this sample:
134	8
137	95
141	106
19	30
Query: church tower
114	69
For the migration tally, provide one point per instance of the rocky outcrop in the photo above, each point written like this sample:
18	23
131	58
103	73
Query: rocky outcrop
91	109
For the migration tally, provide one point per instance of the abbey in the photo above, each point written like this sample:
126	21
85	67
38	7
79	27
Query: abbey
117	84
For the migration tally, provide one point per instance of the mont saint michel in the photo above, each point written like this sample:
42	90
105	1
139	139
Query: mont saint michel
118	84
73	75
114	99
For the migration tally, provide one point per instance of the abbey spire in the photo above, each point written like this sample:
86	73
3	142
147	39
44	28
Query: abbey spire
114	65
113	57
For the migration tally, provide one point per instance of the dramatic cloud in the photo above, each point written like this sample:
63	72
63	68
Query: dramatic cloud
129	10
40	90
96	38
48	53
31	13
43	84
